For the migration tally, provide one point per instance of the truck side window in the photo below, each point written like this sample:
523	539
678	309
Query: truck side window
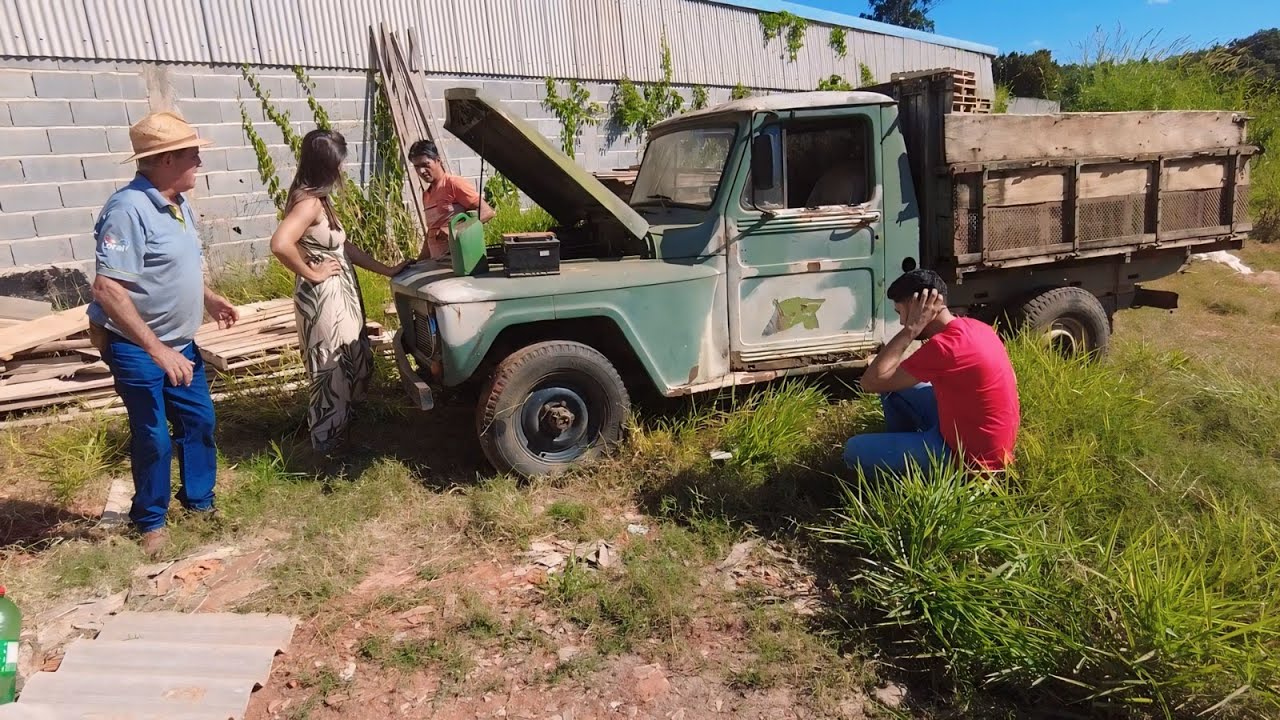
823	162
827	164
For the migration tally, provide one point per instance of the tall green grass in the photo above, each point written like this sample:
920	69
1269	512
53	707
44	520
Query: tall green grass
509	217
247	283
1000	103
1129	557
73	457
512	219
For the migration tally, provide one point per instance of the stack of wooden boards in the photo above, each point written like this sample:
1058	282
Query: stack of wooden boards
265	331
47	361
965	89
46	358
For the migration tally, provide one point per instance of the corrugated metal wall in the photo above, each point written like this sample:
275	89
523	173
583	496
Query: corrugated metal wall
711	44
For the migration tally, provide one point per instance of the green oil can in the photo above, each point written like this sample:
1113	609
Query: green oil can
466	244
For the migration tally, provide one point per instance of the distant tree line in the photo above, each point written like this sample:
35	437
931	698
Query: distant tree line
1037	74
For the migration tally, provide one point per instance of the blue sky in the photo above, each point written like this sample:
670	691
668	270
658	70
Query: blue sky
1064	25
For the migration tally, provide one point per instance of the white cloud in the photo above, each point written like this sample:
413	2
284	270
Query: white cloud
1159	2
1037	44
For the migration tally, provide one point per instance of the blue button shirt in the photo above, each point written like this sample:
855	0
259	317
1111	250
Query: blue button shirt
151	246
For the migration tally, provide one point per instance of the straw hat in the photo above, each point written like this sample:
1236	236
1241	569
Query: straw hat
161	132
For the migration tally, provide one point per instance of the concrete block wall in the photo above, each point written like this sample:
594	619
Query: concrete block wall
64	134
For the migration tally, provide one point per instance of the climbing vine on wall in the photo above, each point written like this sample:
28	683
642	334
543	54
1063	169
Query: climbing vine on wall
866	76
837	41
636	108
786	25
374	215
575	110
835	82
266	164
700	97
739	92
500	192
309	87
278	117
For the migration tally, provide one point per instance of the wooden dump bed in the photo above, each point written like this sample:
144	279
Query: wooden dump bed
1009	190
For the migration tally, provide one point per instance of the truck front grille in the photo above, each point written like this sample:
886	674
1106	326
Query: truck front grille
424	333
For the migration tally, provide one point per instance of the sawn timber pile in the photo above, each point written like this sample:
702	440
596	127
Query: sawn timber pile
48	362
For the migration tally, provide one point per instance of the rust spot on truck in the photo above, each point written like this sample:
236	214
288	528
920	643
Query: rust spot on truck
693	374
814	266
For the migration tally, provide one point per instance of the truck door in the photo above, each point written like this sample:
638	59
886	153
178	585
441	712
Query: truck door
805	266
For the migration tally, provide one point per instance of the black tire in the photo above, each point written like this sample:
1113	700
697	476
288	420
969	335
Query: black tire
1072	320
534	392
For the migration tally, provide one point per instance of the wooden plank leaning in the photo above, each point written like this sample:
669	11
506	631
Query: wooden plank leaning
24	336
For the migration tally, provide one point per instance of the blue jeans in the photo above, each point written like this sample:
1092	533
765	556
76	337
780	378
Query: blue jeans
154	405
913	435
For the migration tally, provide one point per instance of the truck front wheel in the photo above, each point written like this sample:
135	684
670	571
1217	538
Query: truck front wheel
548	406
1070	319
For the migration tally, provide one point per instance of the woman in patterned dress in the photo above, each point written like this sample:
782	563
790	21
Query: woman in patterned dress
312	243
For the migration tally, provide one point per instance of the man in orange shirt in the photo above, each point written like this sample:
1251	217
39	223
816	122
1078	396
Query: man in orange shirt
446	195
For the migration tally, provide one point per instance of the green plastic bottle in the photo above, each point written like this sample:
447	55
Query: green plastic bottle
10	626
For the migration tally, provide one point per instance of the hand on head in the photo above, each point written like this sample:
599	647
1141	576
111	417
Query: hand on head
923	308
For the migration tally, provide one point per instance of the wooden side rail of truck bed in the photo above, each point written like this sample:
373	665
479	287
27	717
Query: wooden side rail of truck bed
1003	191
1019	212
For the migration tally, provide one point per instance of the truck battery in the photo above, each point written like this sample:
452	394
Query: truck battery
525	254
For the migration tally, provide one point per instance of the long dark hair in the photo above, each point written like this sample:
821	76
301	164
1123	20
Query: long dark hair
319	170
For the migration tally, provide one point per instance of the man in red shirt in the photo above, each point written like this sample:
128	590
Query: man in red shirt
955	397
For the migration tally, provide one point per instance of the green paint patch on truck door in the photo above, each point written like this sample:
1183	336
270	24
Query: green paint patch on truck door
795	311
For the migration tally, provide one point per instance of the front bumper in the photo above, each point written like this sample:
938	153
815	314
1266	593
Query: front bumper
418	390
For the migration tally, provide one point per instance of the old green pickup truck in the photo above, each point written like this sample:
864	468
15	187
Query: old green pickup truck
761	235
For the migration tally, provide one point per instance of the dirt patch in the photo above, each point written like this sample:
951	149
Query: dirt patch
1266	278
29	520
210	581
487	641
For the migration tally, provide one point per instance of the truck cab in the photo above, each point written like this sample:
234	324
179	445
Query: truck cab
757	243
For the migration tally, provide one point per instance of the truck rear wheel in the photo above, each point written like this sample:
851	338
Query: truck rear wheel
549	406
1071	320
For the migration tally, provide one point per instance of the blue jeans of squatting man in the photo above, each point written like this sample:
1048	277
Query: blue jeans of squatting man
913	435
154	406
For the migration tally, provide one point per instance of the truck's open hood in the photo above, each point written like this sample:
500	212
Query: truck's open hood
520	152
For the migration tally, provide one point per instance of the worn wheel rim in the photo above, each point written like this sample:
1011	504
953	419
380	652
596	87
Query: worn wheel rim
557	423
1068	336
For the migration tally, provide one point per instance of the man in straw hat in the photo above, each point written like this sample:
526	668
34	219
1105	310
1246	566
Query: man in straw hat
149	300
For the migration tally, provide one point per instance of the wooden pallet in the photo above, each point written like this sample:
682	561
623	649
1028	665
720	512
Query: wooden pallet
265	333
52	371
965	97
265	330
981	105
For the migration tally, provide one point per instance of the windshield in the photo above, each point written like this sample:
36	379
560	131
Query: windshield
683	168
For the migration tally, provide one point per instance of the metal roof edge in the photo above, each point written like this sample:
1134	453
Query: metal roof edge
854	22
